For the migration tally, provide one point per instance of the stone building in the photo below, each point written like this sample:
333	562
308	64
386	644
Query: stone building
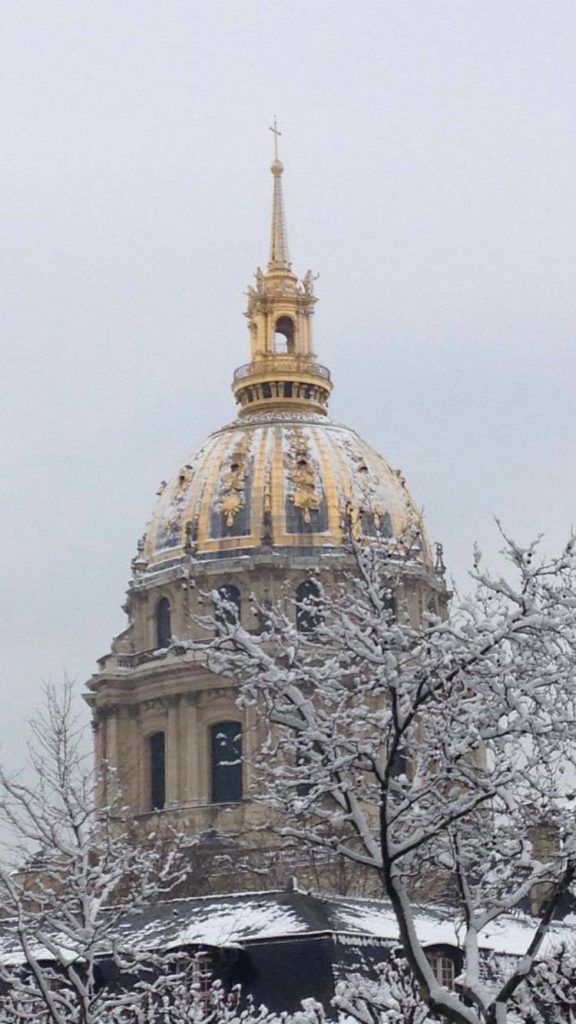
257	510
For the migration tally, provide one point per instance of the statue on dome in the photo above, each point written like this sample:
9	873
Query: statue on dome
308	282
260	281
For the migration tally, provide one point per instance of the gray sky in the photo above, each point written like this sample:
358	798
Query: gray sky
430	154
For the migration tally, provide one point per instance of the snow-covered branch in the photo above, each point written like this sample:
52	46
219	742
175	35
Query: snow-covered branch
435	752
69	874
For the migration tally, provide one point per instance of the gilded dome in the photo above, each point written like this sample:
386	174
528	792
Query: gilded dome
280	480
283	477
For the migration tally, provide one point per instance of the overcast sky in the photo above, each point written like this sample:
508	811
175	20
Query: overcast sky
430	155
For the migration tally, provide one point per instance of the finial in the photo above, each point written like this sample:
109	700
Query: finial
439	566
279	256
276	132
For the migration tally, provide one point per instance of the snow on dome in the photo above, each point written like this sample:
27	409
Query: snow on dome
281	480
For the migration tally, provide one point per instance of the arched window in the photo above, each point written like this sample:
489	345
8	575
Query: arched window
226	746
157	751
229	611
308	607
389	606
163	623
284	336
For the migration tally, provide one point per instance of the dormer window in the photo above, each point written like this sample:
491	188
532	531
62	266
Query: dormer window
446	963
444	970
202	975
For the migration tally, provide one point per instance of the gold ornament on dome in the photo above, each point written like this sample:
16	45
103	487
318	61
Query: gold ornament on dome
368	486
354	517
303	478
184	478
233	481
267	507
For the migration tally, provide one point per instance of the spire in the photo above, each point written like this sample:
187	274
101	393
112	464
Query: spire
283	372
279	256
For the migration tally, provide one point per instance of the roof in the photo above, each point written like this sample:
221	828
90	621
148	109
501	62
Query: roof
241	919
282	480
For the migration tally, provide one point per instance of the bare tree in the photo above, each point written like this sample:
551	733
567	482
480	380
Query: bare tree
393	998
69	875
433	754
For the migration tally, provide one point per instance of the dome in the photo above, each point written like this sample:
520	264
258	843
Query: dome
283	477
283	480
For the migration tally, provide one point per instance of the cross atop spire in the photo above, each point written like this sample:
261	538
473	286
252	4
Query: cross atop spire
274	128
279	255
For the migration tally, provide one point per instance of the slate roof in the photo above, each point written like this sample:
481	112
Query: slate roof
240	919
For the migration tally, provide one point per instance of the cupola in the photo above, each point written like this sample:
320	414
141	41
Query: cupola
283	372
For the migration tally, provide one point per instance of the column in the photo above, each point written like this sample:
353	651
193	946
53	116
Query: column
192	774
172	753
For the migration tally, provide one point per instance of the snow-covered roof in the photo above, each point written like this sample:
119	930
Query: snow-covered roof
260	917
